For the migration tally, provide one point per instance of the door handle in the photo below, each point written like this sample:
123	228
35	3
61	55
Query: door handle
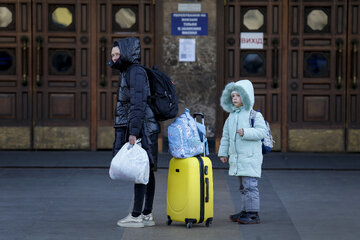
354	64
39	41
103	62
24	41
275	63
339	51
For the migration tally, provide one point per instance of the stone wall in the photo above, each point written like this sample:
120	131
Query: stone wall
195	81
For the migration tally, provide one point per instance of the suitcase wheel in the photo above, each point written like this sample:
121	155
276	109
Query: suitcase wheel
189	222
189	225
169	221
208	222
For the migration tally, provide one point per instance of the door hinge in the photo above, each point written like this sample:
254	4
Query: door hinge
154	2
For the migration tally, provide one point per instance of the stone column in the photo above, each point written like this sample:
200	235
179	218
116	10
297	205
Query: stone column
195	81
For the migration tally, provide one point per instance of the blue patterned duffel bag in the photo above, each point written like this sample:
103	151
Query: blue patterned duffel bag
183	136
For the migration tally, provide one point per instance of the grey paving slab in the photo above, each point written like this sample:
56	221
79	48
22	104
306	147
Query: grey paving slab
47	159
320	161
275	221
60	204
321	204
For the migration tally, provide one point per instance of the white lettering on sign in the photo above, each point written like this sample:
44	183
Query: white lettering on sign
190	24
189	19
189	15
251	40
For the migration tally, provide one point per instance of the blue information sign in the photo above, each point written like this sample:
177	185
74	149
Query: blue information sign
189	24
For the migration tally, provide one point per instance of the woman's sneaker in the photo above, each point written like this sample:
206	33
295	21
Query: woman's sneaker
130	221
249	218
148	220
236	216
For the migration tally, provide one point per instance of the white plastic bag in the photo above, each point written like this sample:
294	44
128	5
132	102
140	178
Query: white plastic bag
131	163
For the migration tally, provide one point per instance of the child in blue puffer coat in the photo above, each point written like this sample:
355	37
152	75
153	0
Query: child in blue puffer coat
240	145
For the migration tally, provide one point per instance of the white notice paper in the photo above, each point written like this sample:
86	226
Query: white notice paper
187	50
251	40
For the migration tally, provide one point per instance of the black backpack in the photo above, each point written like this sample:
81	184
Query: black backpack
163	100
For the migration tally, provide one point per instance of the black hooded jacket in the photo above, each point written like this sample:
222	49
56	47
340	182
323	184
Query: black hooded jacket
132	110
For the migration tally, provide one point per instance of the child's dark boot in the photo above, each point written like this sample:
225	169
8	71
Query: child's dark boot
249	218
235	217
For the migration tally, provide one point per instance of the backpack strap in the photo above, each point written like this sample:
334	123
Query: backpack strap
145	69
253	116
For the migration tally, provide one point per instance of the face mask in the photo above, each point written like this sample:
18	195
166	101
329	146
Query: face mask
115	65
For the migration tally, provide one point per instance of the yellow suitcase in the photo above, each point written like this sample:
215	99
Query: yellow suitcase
190	196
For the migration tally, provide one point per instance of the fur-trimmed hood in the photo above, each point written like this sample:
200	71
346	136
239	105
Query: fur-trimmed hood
246	91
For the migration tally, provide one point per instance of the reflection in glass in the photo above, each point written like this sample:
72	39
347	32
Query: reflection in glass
62	61
253	63
253	19
317	64
317	20
62	17
125	17
5	17
5	61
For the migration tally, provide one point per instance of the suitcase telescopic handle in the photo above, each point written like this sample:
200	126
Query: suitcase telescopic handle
201	115
198	114
203	123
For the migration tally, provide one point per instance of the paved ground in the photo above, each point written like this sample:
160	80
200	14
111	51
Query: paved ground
68	195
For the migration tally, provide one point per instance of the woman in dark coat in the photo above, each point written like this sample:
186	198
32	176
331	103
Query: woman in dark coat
135	119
